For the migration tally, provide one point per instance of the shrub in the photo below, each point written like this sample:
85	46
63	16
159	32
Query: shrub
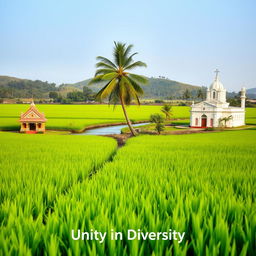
158	120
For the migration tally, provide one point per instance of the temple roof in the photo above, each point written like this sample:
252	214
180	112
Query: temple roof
32	115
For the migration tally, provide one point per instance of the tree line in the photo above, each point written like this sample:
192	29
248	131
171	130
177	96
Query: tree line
26	89
76	96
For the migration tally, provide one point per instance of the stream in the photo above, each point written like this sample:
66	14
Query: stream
115	129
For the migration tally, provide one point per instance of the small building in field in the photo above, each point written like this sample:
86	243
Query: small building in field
215	110
32	121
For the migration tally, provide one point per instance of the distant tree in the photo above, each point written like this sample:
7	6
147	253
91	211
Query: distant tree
186	94
167	110
53	95
75	96
235	102
121	85
59	99
158	120
159	101
200	94
26	88
66	101
88	93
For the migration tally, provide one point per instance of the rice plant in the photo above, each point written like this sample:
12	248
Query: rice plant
200	184
37	169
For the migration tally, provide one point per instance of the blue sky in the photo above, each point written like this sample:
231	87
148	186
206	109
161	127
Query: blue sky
57	41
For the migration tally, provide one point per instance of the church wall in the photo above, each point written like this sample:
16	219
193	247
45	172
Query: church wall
238	117
237	120
198	115
217	117
222	96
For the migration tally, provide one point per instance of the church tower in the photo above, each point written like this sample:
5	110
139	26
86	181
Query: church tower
243	97
216	92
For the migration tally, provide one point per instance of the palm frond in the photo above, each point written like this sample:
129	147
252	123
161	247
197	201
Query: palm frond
118	53
98	95
129	60
136	64
130	90
136	86
109	76
128	98
128	50
95	80
104	65
115	54
114	97
106	90
106	61
138	78
103	71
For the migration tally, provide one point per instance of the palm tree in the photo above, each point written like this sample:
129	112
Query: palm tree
120	85
167	109
225	119
158	120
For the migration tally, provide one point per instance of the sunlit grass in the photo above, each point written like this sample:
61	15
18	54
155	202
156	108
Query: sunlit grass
77	117
201	184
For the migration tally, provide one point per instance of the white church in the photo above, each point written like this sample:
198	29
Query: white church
215	110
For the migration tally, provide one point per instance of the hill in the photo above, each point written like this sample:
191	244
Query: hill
4	80
251	93
157	88
13	87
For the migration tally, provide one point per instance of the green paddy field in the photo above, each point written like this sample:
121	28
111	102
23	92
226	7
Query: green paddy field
201	184
78	117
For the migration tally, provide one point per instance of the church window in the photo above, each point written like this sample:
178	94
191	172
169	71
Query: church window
213	95
196	121
211	122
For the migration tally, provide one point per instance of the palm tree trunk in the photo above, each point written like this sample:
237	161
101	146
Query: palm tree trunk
127	118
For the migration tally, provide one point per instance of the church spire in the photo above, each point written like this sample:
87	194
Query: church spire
216	91
217	74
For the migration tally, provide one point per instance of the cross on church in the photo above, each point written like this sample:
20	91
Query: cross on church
217	73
